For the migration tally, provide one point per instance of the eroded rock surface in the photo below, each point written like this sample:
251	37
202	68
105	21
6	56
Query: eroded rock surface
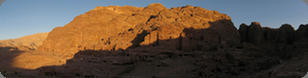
154	41
115	27
257	34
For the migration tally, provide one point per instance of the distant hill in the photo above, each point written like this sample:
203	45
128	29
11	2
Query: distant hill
30	42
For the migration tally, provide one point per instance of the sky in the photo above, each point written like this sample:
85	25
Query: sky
25	17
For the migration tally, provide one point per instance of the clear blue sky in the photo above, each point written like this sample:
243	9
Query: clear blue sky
25	17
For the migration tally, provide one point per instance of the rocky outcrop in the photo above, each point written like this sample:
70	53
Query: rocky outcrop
286	34
257	34
252	33
302	33
243	30
115	28
128	29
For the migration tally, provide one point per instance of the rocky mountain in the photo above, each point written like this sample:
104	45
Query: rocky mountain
120	28
155	41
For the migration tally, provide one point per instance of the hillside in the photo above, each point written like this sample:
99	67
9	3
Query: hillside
30	42
159	42
115	27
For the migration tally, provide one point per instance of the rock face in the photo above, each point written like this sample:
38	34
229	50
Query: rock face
243	30
302	33
30	42
252	33
150	42
120	28
257	34
286	34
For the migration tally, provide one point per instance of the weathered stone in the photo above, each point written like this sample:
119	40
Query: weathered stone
286	34
243	30
114	28
302	33
255	33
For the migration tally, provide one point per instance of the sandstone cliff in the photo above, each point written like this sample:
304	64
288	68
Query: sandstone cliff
115	27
